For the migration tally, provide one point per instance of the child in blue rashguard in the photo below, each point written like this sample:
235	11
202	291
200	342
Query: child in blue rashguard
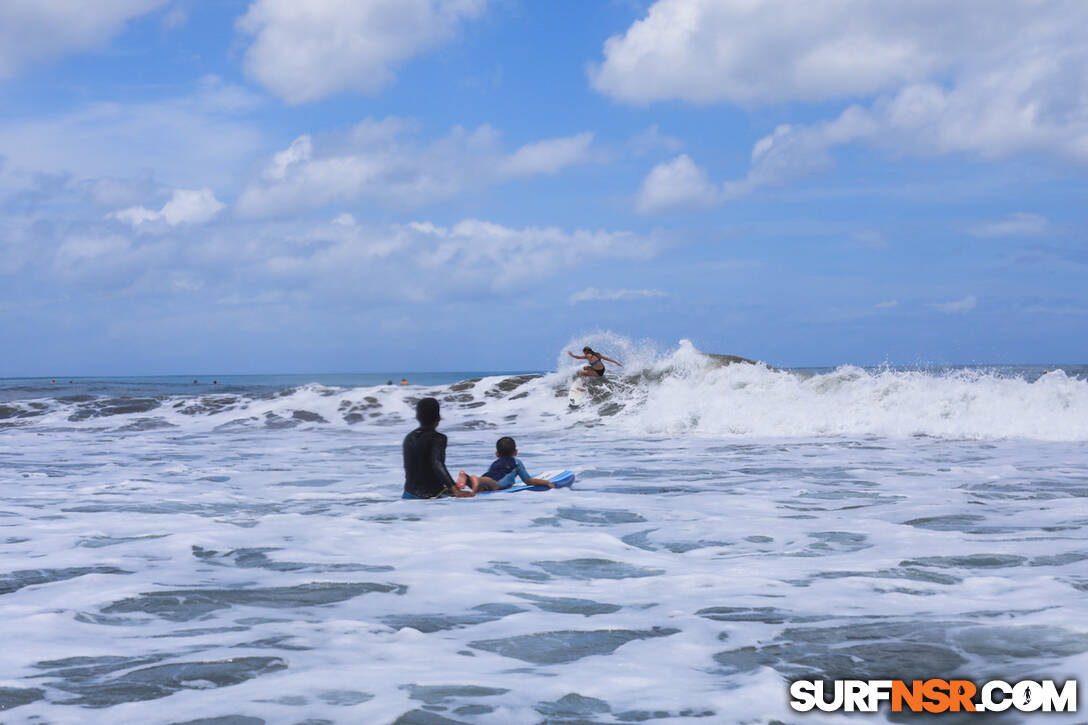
505	470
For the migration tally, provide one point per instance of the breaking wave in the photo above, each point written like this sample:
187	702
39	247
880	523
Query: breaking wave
678	392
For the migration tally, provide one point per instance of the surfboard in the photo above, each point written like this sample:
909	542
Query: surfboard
561	479
578	392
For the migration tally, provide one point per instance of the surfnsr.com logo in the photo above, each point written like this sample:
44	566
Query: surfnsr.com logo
933	695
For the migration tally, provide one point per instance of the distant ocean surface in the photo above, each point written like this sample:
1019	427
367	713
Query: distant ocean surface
13	389
178	552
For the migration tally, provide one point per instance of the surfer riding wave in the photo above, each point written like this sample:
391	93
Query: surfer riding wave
595	360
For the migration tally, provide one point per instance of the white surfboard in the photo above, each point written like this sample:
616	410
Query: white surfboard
561	479
578	393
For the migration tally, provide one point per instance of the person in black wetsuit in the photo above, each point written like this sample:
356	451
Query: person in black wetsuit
595	360
425	474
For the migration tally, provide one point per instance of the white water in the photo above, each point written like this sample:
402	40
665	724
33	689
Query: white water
731	528
680	393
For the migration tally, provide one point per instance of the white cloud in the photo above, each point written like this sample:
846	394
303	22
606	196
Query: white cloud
958	307
1024	107
676	184
1018	224
789	152
793	151
921	120
297	260
191	207
380	159
190	141
887	305
549	156
924	77
135	215
300	150
187	206
304	51
752	52
427	260
34	31
591	294
771	51
507	256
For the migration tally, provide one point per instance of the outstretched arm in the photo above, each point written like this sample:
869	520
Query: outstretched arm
576	357
524	474
604	357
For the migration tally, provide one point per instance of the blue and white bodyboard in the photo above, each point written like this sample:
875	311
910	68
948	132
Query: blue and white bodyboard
561	479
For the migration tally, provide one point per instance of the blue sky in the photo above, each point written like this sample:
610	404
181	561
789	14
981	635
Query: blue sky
260	186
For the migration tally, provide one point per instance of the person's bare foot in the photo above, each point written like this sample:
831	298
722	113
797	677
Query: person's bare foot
462	481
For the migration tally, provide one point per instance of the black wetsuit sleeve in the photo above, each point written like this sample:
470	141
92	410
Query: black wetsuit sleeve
438	462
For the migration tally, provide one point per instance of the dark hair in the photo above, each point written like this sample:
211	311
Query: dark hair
427	411
589	350
506	446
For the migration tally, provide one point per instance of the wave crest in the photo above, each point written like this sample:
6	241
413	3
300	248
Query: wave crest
677	392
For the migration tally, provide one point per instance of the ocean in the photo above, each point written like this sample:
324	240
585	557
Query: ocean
238	553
